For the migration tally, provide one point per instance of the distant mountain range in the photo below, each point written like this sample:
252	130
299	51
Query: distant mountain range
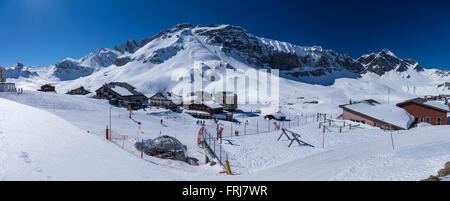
216	45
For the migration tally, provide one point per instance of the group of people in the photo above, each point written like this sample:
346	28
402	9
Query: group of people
201	122
20	91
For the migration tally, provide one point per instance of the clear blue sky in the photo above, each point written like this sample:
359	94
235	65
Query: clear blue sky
43	32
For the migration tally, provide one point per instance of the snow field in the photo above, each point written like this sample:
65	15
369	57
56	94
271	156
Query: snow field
37	145
364	153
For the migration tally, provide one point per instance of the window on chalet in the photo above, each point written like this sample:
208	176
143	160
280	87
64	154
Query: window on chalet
427	119
439	121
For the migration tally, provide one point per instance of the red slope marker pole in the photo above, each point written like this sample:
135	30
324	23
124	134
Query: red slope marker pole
107	138
323	138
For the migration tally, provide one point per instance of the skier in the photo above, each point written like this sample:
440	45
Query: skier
161	122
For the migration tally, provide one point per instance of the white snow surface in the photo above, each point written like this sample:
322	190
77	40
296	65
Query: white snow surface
37	145
212	104
37	142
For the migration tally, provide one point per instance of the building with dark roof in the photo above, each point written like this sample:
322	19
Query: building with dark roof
432	112
123	92
47	88
163	100
78	91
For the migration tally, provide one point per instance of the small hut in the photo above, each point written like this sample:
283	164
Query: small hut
47	88
78	91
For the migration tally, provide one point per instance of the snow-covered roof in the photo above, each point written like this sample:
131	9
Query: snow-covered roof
163	94
434	104
121	91
196	112
388	113
278	115
212	104
438	104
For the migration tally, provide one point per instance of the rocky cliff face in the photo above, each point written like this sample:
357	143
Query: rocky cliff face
384	61
260	52
309	61
129	47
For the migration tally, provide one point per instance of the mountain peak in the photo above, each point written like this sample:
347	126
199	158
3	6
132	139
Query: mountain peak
182	26
19	65
388	52
19	70
384	61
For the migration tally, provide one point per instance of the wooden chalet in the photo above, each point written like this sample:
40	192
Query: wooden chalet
123	92
204	109
163	100
206	106
47	88
78	91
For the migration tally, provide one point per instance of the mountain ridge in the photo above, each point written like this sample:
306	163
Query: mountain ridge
219	47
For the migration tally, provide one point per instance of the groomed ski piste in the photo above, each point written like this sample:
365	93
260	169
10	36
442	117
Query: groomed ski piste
47	136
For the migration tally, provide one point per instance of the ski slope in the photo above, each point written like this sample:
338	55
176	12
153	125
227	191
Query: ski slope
37	126
37	145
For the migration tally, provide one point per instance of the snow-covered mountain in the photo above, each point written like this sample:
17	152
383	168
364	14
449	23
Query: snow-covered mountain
149	64
384	61
19	70
70	69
